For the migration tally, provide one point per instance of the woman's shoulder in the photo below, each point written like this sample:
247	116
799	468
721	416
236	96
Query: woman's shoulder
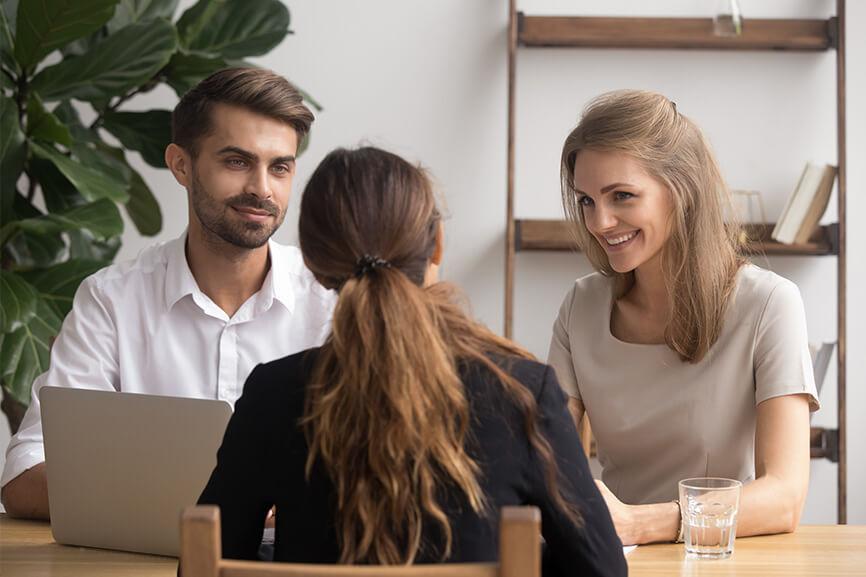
528	371
587	303
594	286
757	278
757	287
591	291
531	373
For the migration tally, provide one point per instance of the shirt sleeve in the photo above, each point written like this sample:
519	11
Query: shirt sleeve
783	365
559	355
591	548
84	355
238	484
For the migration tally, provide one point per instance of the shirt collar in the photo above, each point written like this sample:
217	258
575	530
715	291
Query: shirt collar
278	283
179	281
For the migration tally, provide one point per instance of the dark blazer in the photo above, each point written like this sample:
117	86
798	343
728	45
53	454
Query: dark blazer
262	458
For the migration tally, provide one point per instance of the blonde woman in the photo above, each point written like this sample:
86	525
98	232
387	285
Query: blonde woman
688	360
399	440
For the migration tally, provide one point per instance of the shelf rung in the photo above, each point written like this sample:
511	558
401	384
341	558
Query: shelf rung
544	235
674	33
824	444
556	235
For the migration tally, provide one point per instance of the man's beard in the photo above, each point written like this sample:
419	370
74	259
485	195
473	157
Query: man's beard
216	220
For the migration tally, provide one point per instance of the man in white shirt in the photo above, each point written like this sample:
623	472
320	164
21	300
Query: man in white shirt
193	316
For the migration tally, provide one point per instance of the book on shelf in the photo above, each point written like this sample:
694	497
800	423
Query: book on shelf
806	205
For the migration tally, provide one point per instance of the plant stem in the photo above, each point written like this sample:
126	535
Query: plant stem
112	107
31	187
7	233
21	97
10	74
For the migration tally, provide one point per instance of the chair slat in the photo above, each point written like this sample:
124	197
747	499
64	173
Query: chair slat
519	546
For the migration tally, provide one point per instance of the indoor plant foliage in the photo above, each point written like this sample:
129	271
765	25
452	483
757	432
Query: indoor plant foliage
61	181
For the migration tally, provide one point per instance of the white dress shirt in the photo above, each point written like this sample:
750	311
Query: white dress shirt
144	326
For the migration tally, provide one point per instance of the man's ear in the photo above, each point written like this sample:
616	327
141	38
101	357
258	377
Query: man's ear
179	162
436	258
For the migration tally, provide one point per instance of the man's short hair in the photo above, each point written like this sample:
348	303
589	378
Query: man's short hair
256	89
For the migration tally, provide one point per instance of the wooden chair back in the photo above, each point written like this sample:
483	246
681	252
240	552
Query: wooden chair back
201	553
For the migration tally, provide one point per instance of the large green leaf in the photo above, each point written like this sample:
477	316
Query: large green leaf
100	217
132	11
23	208
66	113
142	208
233	28
45	25
82	45
24	354
28	250
8	12
59	194
97	155
92	183
56	285
124	60
17	302
10	8
145	132
43	125
186	70
13	151
82	244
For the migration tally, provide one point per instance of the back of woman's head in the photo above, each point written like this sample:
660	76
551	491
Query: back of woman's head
386	412
367	202
700	257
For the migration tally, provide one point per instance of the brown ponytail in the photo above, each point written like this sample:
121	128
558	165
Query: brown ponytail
387	413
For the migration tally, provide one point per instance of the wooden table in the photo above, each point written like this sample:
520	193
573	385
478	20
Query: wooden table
813	551
28	550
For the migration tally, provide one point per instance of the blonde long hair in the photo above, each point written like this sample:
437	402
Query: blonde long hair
700	259
386	413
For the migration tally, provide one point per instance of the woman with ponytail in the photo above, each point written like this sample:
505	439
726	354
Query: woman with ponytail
400	439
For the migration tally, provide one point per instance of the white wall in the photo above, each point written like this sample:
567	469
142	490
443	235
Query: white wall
428	80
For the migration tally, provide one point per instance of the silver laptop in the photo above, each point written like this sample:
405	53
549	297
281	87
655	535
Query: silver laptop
121	466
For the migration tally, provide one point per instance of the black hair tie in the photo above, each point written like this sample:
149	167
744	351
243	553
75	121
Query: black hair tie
367	264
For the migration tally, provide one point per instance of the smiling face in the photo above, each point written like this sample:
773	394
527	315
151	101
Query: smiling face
624	208
240	179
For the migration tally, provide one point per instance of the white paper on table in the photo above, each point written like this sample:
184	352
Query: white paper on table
629	549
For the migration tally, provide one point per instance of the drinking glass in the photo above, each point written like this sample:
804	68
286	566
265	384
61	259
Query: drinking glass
728	20
709	506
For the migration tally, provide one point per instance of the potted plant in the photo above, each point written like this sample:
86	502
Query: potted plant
61	180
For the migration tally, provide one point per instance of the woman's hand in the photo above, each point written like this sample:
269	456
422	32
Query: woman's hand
622	515
639	524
